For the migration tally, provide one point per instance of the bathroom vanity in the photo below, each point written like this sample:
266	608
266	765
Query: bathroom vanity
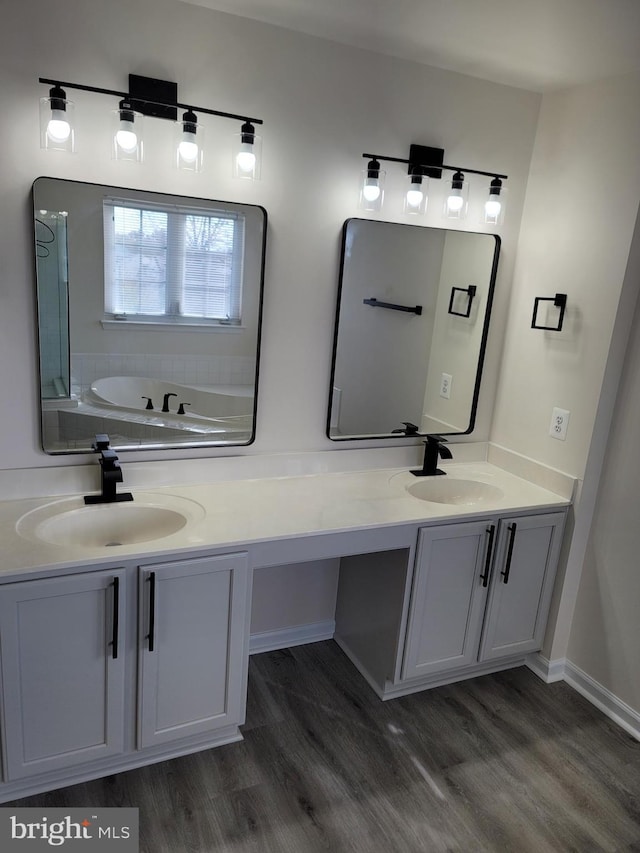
118	655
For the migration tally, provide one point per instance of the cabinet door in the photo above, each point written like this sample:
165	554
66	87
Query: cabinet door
448	598
520	595
192	644
63	671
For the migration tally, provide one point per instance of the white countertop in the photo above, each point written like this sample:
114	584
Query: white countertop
235	514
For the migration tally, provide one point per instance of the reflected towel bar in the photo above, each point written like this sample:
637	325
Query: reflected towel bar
470	294
417	309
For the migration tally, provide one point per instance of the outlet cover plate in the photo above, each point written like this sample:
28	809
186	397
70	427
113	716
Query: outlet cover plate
445	385
559	424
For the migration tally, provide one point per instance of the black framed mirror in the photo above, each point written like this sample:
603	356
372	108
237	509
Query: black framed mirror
149	317
411	325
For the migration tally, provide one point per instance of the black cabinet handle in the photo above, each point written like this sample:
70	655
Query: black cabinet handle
152	608
116	618
512	538
487	562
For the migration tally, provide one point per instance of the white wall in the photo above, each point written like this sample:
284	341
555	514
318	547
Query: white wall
323	105
605	632
577	226
585	159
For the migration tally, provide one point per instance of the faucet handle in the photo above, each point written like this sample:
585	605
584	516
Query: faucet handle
101	442
409	428
436	439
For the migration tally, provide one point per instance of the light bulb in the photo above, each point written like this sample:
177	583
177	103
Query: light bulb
414	197
493	204
246	159
188	147
455	201
58	127
371	189
126	137
492	208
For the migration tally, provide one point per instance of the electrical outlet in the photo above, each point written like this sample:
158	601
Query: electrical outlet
445	385
559	424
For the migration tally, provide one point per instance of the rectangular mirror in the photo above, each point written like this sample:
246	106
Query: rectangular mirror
411	327
149	312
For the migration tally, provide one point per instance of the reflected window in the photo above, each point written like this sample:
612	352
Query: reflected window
171	264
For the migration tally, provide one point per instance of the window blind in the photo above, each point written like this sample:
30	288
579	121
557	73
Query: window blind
172	264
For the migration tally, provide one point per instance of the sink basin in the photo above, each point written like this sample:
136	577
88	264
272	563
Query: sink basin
73	523
445	490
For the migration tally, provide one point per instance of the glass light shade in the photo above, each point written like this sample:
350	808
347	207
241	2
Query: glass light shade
493	204
416	196
189	143
372	189
57	132
127	135
247	154
457	200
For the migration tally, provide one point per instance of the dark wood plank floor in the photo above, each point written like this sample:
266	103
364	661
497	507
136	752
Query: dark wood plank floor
500	763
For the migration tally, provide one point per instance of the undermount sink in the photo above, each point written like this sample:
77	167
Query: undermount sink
72	522
445	490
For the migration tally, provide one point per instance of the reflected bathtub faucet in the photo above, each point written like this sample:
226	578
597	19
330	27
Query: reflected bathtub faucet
165	402
110	475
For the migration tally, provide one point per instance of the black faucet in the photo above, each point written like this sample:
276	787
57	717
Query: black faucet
165	402
409	428
110	475
433	448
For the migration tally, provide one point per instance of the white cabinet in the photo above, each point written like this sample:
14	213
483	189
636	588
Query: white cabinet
481	592
192	619
67	657
63	668
522	583
448	600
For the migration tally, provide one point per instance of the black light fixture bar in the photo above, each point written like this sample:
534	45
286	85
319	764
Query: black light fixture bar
435	166
136	98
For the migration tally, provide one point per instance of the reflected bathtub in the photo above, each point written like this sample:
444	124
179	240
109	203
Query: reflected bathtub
128	393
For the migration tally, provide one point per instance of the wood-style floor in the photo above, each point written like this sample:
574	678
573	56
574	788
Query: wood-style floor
500	763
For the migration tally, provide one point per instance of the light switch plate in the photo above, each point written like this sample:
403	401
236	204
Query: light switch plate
559	423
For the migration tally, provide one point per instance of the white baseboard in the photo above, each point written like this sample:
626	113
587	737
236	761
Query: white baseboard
614	708
283	638
548	670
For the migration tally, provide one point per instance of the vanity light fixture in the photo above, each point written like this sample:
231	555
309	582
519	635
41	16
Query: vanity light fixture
493	209
127	133
247	153
416	197
148	96
189	142
455	206
372	189
57	132
423	163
